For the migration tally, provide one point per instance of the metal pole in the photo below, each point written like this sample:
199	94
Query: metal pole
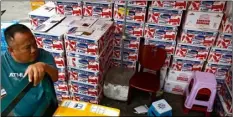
124	34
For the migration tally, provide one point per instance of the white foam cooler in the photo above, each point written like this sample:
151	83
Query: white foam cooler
175	87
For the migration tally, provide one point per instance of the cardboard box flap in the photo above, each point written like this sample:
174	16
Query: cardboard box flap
46	10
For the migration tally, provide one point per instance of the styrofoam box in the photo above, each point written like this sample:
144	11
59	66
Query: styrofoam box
207	6
134	13
62	95
98	9
203	20
224	41
169	46
89	40
220	70
59	58
61	86
192	51
198	36
155	31
186	64
175	87
219	55
69	7
165	16
126	64
40	15
180	76
170	4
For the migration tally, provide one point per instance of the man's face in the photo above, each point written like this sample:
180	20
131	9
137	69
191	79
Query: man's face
23	47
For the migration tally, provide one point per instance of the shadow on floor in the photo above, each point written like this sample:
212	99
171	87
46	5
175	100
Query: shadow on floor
142	98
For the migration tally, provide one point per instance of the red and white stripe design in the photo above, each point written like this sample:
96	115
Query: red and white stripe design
117	42
181	52
180	4
61	76
88	10
149	32
209	41
187	38
139	16
73	75
70	45
177	66
71	61
60	62
202	55
170	49
106	13
39	42
195	5
218	6
226	26
214	57
60	9
169	36
174	20
211	69
77	11
34	22
118	15
154	17
138	32
223	43
116	53
157	3
118	28
57	45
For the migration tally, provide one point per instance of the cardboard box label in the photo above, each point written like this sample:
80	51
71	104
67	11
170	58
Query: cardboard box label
160	32
85	89
84	76
198	37
84	98
218	55
131	42
128	54
207	6
169	46
192	51
224	41
69	8
226	26
180	76
99	10
220	70
170	4
183	64
203	20
165	16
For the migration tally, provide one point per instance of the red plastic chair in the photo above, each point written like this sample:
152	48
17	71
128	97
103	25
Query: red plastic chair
152	58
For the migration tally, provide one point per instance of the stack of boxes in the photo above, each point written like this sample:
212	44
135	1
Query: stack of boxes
164	18
53	41
89	46
100	9
135	19
69	8
198	35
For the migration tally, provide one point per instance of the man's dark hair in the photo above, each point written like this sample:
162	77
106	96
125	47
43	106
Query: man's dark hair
10	31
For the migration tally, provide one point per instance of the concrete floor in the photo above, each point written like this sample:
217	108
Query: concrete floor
18	10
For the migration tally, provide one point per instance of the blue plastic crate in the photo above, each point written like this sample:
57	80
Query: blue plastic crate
4	25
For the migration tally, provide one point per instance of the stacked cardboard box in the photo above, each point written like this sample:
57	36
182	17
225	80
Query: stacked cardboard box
135	18
69	7
40	15
164	18
53	41
100	9
89	46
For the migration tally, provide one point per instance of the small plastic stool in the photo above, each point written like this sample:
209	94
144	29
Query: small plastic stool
202	81
160	108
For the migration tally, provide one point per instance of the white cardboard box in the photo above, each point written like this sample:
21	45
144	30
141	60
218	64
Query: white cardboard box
41	14
180	76
203	20
175	87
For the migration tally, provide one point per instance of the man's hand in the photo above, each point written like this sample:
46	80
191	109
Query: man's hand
35	72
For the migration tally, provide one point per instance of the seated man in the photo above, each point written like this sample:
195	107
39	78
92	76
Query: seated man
22	59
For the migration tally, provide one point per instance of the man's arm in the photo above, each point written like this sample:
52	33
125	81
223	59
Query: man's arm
53	72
